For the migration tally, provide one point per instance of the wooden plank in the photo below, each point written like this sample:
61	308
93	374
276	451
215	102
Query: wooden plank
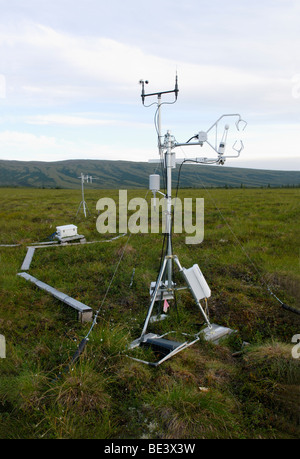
85	312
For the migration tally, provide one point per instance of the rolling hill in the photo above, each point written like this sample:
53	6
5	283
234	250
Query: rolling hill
127	174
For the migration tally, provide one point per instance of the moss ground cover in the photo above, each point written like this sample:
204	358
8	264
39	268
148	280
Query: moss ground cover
208	391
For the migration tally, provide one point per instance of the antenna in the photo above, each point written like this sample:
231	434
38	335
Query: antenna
164	287
87	179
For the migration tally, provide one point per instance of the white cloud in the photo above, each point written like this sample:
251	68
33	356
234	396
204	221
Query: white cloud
29	147
61	66
2	87
82	120
17	145
69	70
67	120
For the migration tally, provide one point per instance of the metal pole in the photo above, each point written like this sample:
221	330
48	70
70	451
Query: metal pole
82	192
159	124
158	282
168	166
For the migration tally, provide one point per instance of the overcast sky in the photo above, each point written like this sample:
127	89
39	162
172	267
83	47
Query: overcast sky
70	71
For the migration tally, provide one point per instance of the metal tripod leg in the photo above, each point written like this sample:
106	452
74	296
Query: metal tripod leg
85	207
154	295
158	282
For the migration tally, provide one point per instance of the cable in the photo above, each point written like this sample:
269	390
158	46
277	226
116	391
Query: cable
85	340
194	137
108	288
147	106
155	116
285	306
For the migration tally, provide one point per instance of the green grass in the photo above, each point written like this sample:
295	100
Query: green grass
251	239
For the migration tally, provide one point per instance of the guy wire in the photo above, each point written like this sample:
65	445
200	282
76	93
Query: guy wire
284	305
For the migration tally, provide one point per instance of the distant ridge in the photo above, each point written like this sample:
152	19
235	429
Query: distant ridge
129	174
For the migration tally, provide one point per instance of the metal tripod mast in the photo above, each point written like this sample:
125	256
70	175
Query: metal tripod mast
167	161
84	178
193	276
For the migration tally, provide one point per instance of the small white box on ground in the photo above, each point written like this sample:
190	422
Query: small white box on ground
66	231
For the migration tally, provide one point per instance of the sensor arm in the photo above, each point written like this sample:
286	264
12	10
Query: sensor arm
158	94
202	137
240	120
